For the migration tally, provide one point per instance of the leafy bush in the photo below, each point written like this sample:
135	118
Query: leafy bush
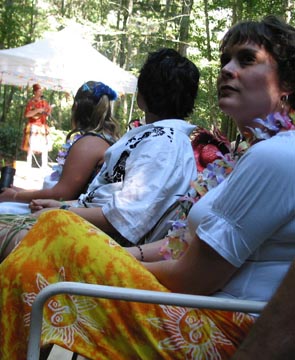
10	141
11	138
58	138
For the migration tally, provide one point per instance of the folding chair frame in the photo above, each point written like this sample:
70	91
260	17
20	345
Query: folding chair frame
126	294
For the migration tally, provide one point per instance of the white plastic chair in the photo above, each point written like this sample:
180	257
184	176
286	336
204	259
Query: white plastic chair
134	295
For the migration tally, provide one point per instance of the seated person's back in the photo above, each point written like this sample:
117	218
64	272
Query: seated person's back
93	131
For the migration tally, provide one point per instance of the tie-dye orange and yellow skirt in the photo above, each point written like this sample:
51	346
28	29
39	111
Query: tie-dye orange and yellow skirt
62	246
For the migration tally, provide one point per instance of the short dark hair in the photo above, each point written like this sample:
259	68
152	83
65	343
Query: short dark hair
277	37
168	82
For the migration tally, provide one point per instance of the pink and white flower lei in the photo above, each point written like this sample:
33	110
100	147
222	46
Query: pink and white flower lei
212	176
61	157
273	123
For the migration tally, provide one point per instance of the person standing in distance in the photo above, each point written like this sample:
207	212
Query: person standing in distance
36	131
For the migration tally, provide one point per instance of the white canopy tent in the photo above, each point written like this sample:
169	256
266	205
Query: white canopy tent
62	61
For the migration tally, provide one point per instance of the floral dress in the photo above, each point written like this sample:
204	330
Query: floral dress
36	131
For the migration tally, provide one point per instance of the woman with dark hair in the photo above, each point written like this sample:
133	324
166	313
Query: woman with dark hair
169	90
143	173
241	247
93	131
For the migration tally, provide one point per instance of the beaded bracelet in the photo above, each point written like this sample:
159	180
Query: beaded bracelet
141	252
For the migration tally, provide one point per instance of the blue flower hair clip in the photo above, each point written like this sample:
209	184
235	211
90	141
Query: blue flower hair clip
102	89
85	87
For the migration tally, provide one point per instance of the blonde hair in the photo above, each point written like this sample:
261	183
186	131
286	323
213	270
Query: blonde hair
92	113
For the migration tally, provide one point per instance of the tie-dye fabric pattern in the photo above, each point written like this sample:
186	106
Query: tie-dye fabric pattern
64	247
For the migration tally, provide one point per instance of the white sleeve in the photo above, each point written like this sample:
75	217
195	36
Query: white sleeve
257	200
157	172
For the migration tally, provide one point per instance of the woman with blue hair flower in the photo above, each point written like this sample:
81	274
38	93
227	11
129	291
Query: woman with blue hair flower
93	131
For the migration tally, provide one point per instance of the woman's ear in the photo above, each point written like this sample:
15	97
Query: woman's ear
285	89
284	103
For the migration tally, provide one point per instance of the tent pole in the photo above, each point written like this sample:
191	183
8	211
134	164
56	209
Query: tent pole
1	91
1	83
132	106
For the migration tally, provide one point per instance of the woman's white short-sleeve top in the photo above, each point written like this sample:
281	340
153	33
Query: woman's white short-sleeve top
250	218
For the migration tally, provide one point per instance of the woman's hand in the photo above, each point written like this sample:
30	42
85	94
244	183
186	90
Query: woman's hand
40	204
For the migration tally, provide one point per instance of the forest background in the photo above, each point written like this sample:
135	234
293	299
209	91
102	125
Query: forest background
125	31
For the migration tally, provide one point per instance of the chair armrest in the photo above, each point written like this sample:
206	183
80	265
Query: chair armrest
127	294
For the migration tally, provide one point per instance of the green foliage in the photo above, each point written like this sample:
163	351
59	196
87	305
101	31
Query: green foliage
21	22
122	115
18	98
9	141
58	138
126	31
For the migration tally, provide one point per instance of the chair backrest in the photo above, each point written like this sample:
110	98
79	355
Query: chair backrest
118	293
161	228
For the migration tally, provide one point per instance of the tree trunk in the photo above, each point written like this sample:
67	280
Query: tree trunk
184	26
228	126
125	48
237	11
287	7
210	78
